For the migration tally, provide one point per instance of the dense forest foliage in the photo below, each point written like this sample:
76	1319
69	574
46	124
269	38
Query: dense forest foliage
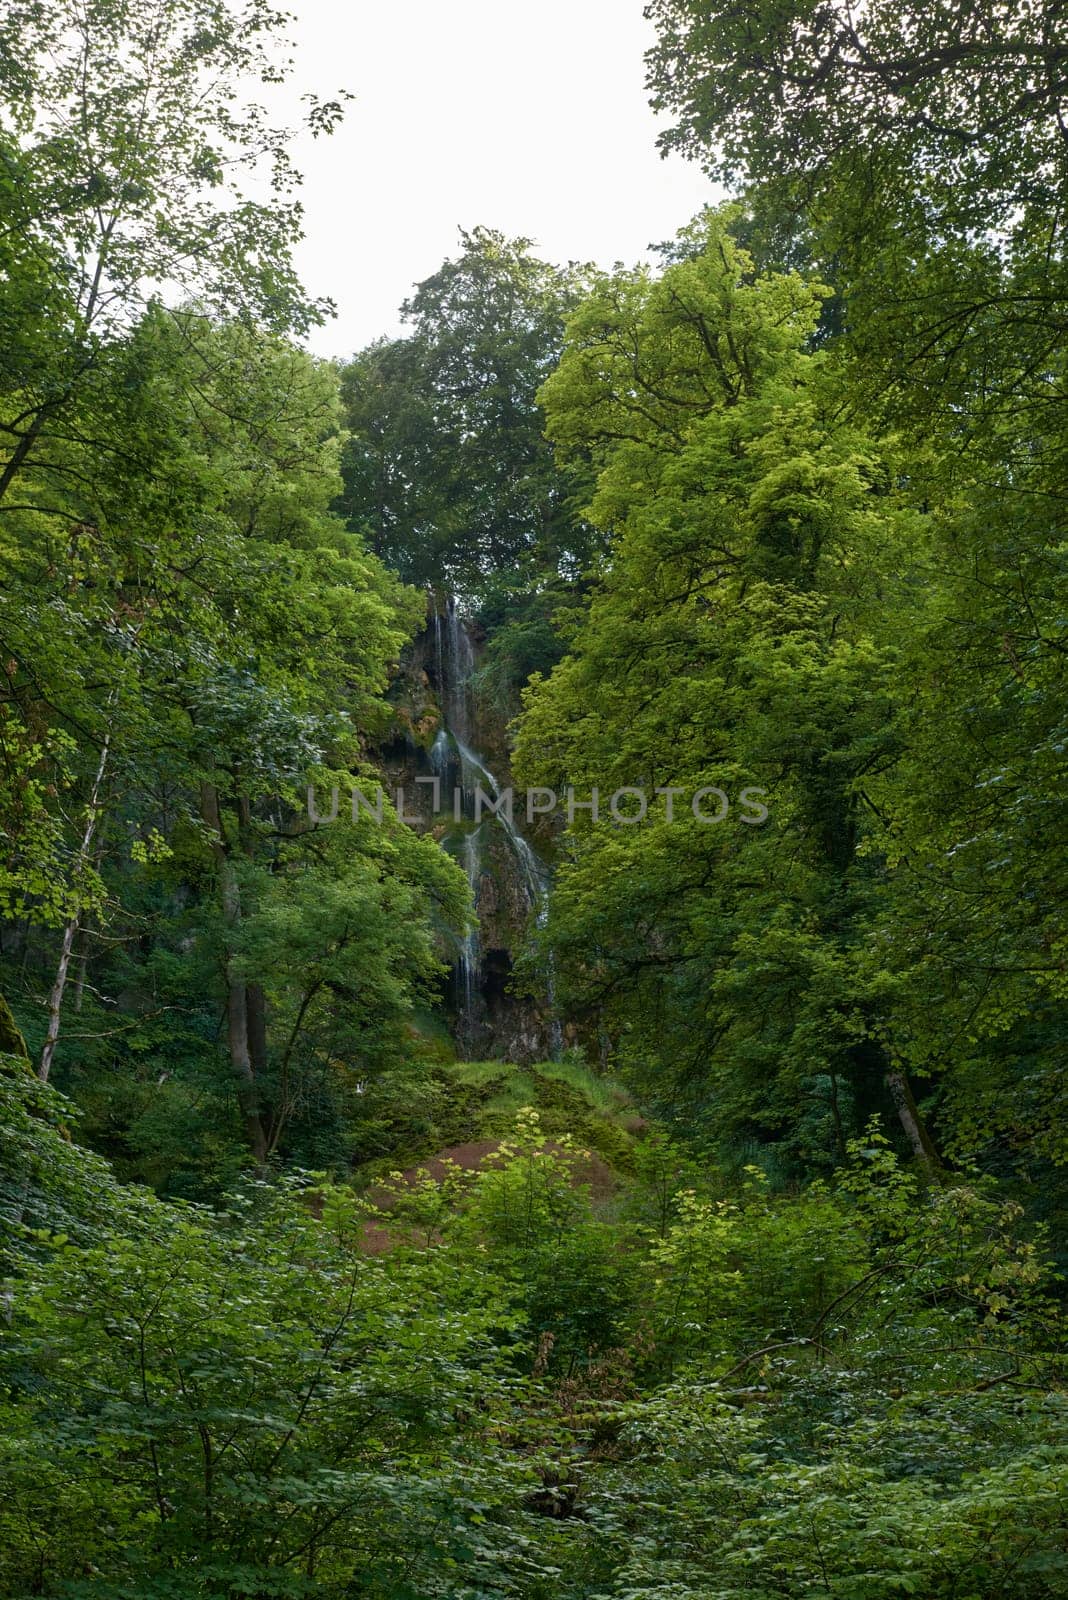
753	1289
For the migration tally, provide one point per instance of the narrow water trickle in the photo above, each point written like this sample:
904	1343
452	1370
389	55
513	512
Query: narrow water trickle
439	647
459	672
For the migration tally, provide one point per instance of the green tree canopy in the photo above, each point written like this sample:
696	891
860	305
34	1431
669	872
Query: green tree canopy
448	473
729	647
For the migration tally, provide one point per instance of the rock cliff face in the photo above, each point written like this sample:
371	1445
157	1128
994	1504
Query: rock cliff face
449	754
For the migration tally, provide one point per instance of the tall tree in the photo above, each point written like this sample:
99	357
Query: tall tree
923	151
209	633
448	472
925	147
728	649
131	139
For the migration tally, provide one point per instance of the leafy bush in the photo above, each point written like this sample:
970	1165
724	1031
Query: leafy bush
245	1404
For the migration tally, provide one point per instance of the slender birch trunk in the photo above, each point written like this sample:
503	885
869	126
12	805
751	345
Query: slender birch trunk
55	999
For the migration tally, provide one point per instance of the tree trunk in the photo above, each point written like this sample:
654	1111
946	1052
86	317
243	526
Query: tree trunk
256	1021
12	1044
255	999
919	1139
21	452
55	999
237	1028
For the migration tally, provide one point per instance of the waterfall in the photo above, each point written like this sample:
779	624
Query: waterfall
453	754
459	672
533	872
439	647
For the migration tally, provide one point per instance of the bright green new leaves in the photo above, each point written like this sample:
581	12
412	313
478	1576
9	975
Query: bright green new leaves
339	930
919	151
526	1395
140	138
243	1403
865	1402
194	601
728	648
922	148
38	880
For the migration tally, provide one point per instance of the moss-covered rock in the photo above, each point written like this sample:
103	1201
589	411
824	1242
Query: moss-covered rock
11	1041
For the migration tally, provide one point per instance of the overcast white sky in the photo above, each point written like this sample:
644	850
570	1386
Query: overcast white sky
524	115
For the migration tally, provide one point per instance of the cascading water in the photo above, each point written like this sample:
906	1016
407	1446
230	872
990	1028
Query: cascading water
439	646
462	768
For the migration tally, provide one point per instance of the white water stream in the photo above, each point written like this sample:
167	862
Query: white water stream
454	661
